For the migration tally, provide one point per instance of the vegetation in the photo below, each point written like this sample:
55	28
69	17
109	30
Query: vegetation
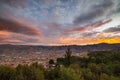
102	65
51	61
68	57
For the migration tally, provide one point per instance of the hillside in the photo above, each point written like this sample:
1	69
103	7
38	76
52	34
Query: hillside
7	48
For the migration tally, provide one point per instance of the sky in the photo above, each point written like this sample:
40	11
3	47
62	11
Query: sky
59	22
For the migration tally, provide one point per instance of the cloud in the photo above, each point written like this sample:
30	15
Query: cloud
89	34
117	6
113	29
90	27
78	30
15	3
95	13
83	41
51	19
101	23
12	26
16	38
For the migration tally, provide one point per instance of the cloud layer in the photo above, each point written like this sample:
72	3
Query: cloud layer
113	29
59	21
7	25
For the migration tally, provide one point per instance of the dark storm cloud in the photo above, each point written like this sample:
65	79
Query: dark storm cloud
12	26
113	29
95	12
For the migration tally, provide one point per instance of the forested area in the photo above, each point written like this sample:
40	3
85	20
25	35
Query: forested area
102	65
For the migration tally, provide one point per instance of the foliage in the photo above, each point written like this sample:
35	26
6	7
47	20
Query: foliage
22	72
51	61
68	57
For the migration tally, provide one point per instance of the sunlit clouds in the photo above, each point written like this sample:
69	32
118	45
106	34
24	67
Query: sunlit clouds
84	41
59	22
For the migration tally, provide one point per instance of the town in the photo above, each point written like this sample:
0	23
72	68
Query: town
15	59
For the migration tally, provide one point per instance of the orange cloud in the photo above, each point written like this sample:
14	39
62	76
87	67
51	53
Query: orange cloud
84	41
10	37
82	29
17	27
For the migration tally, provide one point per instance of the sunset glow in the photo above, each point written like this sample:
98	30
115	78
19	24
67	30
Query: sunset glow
59	22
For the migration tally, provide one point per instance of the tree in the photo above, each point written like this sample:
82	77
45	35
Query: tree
6	73
68	57
51	61
68	74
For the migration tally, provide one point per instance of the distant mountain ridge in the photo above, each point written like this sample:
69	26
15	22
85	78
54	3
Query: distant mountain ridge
8	48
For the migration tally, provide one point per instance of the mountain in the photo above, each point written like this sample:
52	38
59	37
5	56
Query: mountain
26	49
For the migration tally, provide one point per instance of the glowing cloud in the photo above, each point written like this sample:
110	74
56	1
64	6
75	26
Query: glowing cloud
59	21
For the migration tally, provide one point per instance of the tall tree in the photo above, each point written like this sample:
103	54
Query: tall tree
68	56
